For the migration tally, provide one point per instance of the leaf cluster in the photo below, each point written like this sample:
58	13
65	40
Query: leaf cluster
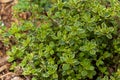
76	40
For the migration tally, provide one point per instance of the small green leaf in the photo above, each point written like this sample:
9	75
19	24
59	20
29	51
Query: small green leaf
45	75
99	62
55	76
66	67
109	36
11	59
84	73
91	68
92	52
34	78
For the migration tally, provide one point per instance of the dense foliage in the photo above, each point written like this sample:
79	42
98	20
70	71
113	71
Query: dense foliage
75	40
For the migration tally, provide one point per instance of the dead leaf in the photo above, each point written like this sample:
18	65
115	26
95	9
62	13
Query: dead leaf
16	78
4	67
25	15
3	60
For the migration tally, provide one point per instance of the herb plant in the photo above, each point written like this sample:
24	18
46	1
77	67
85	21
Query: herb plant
76	40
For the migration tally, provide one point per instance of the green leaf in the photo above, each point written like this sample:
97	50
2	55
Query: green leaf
109	36
106	54
103	69
92	52
34	78
99	62
66	66
91	68
84	73
45	75
11	59
104	25
55	76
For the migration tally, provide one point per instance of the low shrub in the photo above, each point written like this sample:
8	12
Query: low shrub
76	40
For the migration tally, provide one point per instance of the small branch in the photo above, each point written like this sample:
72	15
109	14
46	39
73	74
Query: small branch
7	74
